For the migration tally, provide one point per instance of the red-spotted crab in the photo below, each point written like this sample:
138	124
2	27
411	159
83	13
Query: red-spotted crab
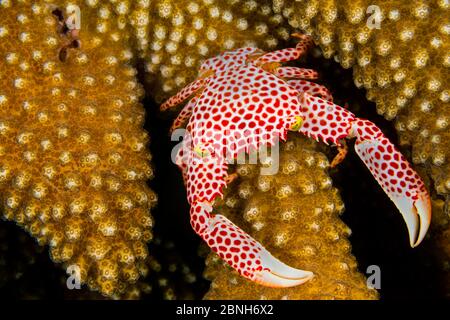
249	98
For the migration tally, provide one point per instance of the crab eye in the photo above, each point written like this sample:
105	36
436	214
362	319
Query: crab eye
201	152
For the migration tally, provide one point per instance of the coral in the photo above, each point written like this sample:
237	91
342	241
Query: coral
170	277
173	37
73	156
295	214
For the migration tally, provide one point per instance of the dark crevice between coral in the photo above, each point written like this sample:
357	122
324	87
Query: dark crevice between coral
26	271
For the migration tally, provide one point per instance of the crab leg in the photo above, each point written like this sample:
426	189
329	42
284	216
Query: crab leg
342	153
327	121
297	73
184	115
287	54
311	88
205	177
184	93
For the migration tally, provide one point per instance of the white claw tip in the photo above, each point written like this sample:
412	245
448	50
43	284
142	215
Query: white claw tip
279	275
273	280
422	209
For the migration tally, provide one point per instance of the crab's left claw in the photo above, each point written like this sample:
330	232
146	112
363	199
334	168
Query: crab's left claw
246	255
396	176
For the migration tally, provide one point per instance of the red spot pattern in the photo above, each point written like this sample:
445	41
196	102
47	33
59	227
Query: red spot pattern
392	171
236	118
229	59
229	241
284	55
323	120
297	73
183	94
184	115
311	88
205	178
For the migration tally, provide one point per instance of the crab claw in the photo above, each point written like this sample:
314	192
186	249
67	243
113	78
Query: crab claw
249	257
276	274
396	176
242	252
423	208
417	216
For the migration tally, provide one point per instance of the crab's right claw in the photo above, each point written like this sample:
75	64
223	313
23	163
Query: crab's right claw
417	216
275	273
397	178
